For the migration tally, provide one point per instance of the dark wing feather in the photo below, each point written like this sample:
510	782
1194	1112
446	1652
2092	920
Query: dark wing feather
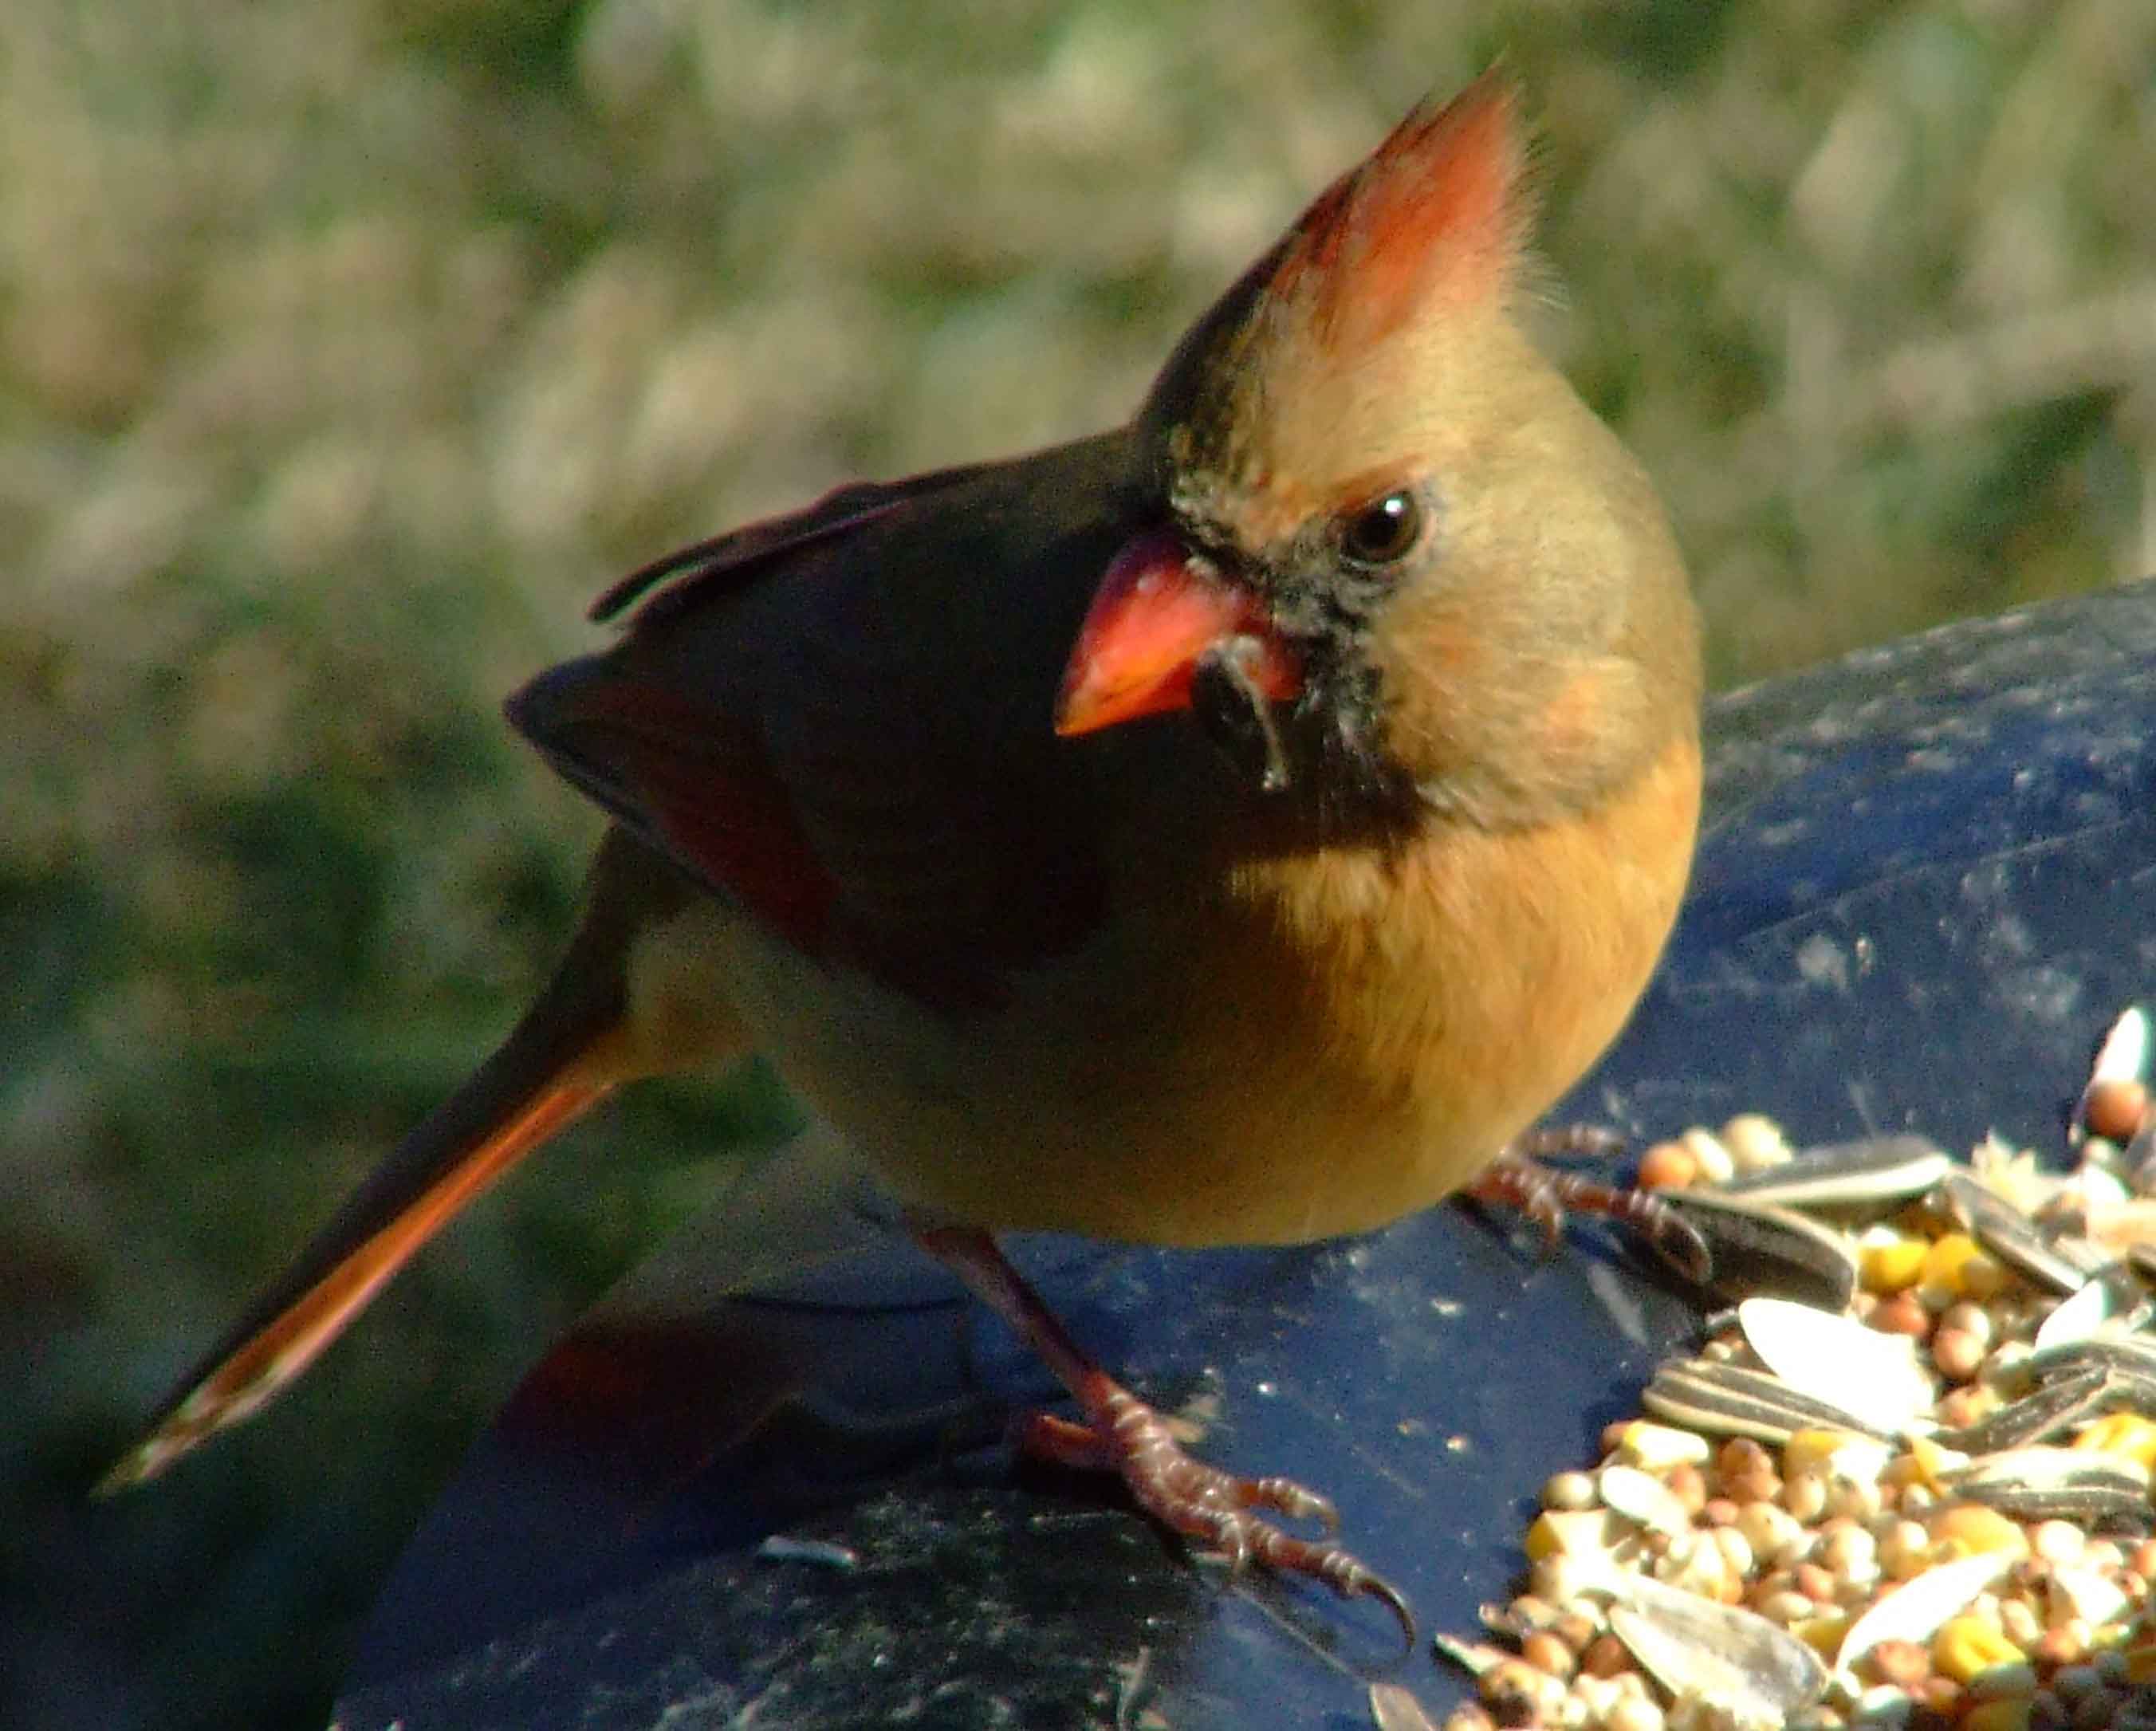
731	560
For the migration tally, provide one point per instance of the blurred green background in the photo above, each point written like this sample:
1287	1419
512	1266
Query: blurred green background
346	350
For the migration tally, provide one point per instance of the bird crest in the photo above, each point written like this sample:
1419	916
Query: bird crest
1440	212
1429	231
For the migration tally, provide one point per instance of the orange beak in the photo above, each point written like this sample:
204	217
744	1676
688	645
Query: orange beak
1157	613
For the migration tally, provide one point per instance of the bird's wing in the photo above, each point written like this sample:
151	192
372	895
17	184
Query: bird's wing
843	720
735	558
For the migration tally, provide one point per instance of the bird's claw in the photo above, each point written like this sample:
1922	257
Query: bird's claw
1517	1178
1216	1509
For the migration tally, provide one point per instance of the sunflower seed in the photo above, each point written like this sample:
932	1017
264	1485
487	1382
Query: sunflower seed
1723	1400
2042	1483
1700	1650
1878	1377
2048	1411
2005	1231
1874	1173
2131	1358
1916	1610
1755	1250
2112	1301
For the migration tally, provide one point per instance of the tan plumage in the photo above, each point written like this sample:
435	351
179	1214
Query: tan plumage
1341	843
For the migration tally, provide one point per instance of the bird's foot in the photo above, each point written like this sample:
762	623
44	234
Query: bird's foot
1215	1509
1121	1434
1519	1179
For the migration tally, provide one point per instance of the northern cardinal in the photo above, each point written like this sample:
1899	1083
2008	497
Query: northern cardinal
1236	827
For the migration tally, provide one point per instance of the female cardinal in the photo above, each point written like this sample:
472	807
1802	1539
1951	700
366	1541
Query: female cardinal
1236	827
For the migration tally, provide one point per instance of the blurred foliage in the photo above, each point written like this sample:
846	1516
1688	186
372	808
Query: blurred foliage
345	349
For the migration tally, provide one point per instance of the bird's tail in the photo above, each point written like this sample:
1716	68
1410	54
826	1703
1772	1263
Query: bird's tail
569	1051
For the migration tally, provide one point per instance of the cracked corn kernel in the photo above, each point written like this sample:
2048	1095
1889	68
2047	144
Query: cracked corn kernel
1891	1263
1569	1533
1843	1451
1823	1634
2126	1434
1967	1529
1966	1646
1947	1260
1656	1448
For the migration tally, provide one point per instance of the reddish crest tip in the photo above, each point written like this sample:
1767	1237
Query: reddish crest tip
1439	210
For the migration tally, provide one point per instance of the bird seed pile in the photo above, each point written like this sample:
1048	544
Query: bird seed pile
1905	1483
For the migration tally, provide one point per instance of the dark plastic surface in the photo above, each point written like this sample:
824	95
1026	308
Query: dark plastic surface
1925	889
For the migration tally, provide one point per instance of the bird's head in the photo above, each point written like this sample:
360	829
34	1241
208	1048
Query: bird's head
1397	564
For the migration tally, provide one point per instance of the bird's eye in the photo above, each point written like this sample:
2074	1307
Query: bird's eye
1383	531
